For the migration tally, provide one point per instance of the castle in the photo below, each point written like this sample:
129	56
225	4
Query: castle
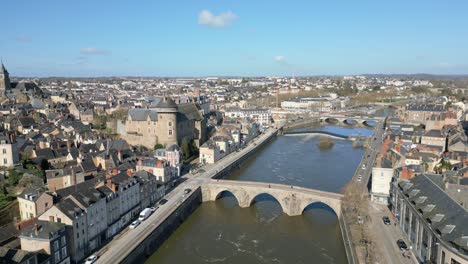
166	123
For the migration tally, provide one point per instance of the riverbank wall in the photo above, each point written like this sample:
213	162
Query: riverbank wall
163	231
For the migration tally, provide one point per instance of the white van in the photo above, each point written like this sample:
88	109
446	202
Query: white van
145	214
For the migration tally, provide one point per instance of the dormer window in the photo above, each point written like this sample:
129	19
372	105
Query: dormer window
447	229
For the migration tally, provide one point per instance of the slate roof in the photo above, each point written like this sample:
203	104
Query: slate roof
444	215
190	111
46	229
138	114
434	133
31	194
426	107
11	256
27	121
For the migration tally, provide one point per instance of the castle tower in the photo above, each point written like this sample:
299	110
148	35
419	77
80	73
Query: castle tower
4	79
167	121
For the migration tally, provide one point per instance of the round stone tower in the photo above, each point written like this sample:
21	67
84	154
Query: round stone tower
167	121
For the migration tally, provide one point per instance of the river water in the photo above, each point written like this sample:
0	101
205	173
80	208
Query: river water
222	232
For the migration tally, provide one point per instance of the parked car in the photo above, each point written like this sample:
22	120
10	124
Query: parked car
134	224
402	245
153	208
186	191
163	201
386	220
359	178
91	259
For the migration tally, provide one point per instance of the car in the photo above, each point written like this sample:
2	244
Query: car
163	201
201	171
402	245
134	224
186	191
154	208
359	178
91	259
386	220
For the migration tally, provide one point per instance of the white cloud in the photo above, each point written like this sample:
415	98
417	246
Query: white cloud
92	51
280	58
222	20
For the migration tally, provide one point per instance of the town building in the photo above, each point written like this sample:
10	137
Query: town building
8	152
382	175
261	116
32	202
50	237
433	222
5	83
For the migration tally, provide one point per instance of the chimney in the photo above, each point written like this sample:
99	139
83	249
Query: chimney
36	227
119	155
68	145
51	218
109	183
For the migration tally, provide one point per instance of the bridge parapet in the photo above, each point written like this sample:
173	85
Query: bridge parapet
293	199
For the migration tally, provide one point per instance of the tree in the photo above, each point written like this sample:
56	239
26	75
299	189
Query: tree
186	149
14	177
158	146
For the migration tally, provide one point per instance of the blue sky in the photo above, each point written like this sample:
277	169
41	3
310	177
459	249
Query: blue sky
233	37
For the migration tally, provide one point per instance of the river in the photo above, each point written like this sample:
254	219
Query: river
222	232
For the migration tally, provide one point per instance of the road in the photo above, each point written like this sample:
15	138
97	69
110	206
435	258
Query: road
373	149
119	247
388	235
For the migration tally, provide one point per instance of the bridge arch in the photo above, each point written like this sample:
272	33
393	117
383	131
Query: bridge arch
320	205
226	192
335	207
268	194
350	122
369	123
331	120
239	194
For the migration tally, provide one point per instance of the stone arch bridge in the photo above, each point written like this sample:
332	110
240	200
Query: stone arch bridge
293	199
363	120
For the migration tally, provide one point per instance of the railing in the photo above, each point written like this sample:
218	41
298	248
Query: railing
348	244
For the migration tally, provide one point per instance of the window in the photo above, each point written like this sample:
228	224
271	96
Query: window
77	234
64	241
59	220
57	256
4	161
4	151
56	244
64	252
170	132
169	123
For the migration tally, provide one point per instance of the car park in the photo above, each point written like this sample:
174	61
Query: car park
134	224
91	259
